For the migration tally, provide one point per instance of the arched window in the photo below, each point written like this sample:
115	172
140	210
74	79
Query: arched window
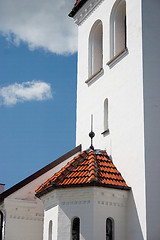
106	114
118	28
76	229
109	229
1	224
50	230
95	48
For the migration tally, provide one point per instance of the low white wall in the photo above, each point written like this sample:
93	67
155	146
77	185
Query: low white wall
93	205
23	220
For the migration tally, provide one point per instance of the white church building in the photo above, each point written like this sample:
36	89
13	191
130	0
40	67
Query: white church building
110	190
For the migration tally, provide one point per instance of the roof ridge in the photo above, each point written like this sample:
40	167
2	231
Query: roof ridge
93	168
77	161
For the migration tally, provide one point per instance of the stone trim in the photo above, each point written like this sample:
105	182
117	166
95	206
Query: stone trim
105	132
116	58
82	14
76	202
94	76
19	217
111	203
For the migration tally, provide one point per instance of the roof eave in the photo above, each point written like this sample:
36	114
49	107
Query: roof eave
76	8
39	173
91	184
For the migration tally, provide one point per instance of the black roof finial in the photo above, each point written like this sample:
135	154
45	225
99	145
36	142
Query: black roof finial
91	134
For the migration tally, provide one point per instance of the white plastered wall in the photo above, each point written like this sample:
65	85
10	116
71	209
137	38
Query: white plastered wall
93	205
51	214
122	84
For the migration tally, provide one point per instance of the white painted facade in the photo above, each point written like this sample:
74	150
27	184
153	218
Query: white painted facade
93	205
131	85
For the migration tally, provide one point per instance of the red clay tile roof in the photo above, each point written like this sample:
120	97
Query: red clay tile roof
77	6
88	168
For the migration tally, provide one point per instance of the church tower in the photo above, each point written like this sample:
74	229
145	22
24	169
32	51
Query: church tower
118	82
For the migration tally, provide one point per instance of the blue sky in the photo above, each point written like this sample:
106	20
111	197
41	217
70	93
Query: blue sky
37	86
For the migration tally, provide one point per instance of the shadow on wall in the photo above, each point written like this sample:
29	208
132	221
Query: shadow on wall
134	228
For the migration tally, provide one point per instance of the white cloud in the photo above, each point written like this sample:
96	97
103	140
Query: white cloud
39	23
26	91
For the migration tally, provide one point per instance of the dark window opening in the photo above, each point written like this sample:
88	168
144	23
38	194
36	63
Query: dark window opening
109	229
50	230
76	229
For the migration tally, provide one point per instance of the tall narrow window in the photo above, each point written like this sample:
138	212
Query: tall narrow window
76	229
106	114
118	28
109	229
50	230
95	48
1	224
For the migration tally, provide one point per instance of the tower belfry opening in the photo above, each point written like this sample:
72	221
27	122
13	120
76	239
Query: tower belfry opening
95	48
118	28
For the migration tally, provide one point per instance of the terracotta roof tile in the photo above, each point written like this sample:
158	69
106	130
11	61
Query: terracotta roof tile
89	167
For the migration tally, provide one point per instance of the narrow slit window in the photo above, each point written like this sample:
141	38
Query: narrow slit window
50	230
106	114
76	229
109	229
